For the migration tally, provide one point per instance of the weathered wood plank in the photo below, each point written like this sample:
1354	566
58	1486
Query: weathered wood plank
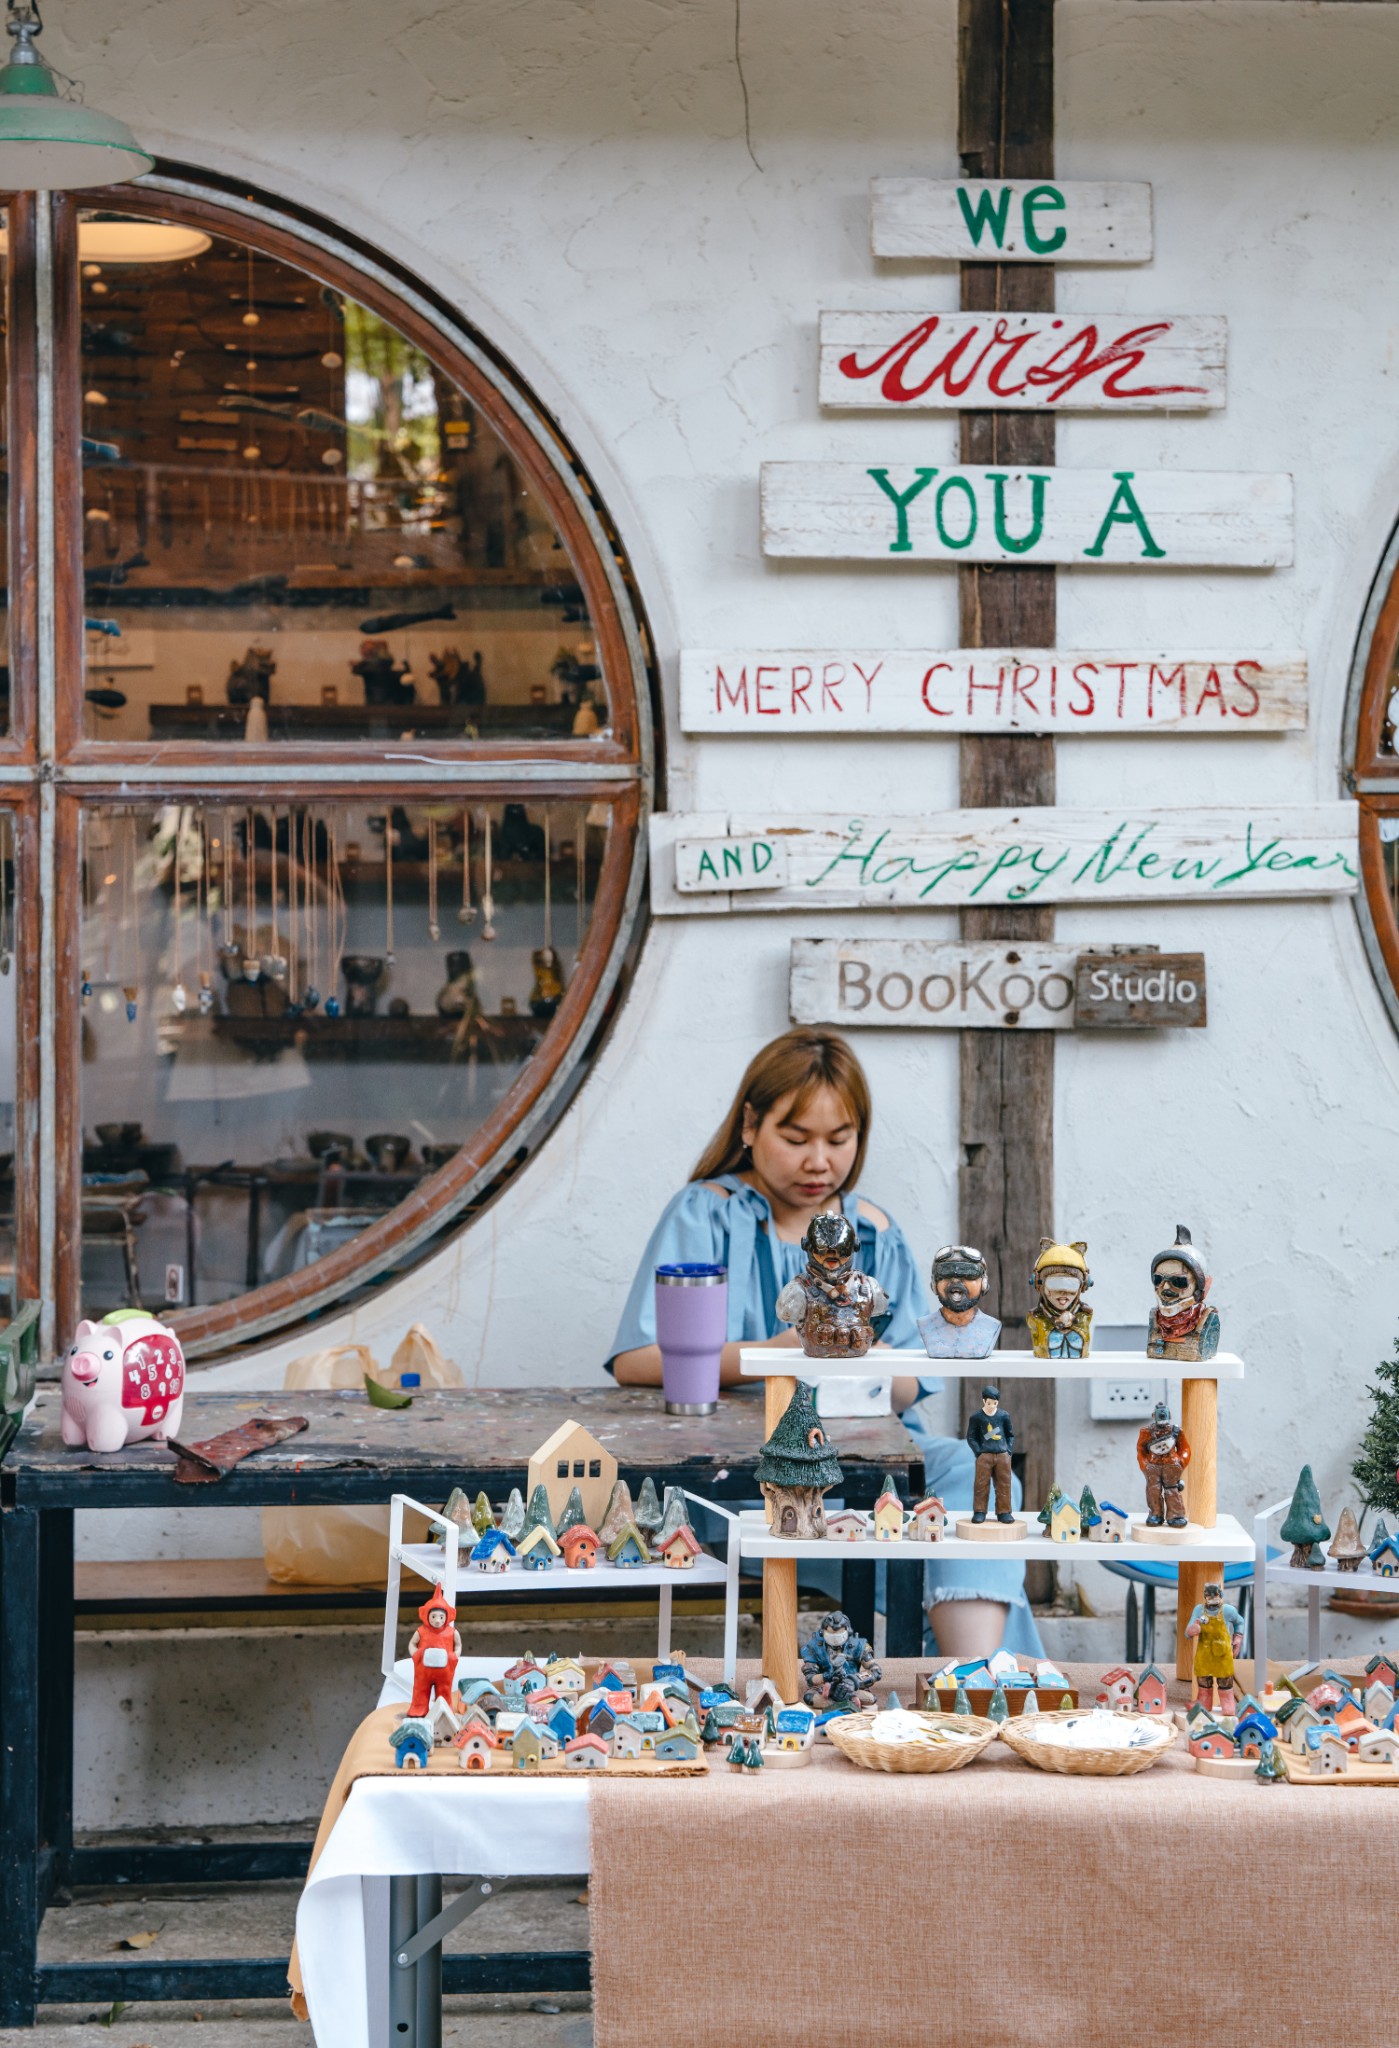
789	691
1140	991
1036	855
929	985
901	361
907	510
1021	220
721	862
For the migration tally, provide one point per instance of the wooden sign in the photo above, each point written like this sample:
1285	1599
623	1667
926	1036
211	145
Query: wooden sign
1079	362
991	985
727	863
991	220
1052	854
789	691
1140	991
922	512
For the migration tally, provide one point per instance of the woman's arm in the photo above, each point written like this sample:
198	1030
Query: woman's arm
642	1367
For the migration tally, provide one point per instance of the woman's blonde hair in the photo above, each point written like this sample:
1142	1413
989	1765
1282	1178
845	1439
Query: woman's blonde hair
796	1064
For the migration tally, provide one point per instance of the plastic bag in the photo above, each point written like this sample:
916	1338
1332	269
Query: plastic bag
347	1546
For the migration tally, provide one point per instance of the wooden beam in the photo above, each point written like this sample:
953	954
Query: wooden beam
1005	76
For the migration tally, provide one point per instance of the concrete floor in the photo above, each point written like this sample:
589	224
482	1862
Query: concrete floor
258	1920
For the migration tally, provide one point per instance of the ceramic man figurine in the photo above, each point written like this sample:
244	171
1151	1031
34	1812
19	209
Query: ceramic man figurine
831	1305
957	1328
1181	1325
838	1665
434	1649
1061	1323
1218	1632
1163	1454
992	1440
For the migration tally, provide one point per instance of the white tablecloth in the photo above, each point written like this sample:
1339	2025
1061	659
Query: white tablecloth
409	1825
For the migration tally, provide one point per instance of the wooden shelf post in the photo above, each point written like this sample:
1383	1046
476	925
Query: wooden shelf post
780	1661
1200	1421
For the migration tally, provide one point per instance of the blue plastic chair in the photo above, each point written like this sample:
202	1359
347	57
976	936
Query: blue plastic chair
1141	1626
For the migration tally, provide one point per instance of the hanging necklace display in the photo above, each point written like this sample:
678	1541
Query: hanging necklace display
203	925
252	965
434	929
547	992
487	897
274	964
467	913
311	997
230	959
293	979
130	943
178	998
388	886
332	1003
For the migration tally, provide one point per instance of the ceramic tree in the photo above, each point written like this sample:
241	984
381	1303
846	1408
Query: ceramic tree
1304	1527
618	1514
482	1517
573	1514
539	1516
648	1508
831	1305
1182	1325
796	1467
1376	1470
512	1520
1346	1548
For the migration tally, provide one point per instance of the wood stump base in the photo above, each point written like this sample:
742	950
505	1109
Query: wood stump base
989	1531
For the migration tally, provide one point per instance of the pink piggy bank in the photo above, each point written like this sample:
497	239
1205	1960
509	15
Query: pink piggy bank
123	1379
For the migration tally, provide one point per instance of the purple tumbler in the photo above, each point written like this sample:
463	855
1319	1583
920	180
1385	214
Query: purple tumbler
692	1316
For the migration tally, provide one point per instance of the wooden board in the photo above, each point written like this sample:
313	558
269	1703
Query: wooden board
1051	854
784	692
730	863
1140	991
1356	1774
990	1531
908	361
925	984
1029	220
902	507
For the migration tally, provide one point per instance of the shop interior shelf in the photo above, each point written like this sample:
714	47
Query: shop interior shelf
1228	1542
765	1361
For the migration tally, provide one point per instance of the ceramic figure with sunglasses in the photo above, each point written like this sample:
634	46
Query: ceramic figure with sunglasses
1182	1325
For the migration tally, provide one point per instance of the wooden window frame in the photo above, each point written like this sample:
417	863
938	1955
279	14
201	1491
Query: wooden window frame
51	773
1373	776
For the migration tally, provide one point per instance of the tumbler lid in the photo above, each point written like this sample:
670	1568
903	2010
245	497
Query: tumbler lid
692	1275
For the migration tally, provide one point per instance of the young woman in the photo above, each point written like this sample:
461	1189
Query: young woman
794	1143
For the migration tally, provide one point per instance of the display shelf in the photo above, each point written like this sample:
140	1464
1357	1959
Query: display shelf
768	1361
446	1564
1228	1542
1276	1571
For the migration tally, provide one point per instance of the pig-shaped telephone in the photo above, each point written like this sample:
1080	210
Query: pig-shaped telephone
123	1379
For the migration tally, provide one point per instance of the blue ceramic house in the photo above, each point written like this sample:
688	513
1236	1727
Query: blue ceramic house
411	1743
494	1553
677	1748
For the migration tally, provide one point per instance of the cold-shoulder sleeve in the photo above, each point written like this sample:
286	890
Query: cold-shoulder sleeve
693	1229
898	1274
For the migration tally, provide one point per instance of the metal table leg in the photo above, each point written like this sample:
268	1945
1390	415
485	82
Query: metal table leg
417	1925
1134	1638
56	1695
857	1595
19	1763
903	1610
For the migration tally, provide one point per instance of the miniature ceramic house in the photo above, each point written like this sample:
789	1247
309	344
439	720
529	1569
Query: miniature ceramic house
1149	1693
521	1672
563	1721
1384	1556
1115	1689
887	1515
1379	1746
586	1753
1252	1732
1326	1755
566	1673
474	1747
628	1739
760	1693
612	1679
847	1525
928	1521
534	1744
580	1548
796	1728
1383	1670
1064	1524
677	1748
629	1549
494	1553
411	1743
537	1549
1114	1524
680	1548
571	1457
1211	1740
1379	1703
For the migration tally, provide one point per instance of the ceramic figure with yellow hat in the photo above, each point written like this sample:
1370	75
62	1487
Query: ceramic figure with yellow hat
1061	1323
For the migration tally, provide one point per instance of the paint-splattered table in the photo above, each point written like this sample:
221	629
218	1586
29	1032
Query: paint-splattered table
351	1455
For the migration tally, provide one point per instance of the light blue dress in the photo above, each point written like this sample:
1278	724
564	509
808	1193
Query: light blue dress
731	1229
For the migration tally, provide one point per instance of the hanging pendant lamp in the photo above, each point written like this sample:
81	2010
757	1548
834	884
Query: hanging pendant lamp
50	143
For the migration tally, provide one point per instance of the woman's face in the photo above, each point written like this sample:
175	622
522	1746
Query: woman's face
802	1156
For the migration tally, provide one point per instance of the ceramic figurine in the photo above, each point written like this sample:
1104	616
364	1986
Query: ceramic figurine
538	1515
838	1664
580	1548
831	1305
991	1436
649	1512
629	1548
434	1649
385	680
619	1512
1271	1769
960	1702
537	1548
957	1328
1061	1519
1113	1524
887	1514
927	1522
1304	1527
482	1517
1217	1630
411	1743
494	1553
573	1512
512	1519
796	1468
251	677
1163	1454
457	1510
123	1379
1181	1325
1149	1694
1061	1323
547	992
1346	1547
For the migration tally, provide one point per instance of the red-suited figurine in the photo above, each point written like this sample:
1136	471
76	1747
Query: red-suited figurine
434	1650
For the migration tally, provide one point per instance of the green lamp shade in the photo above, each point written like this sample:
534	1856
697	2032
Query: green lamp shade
48	144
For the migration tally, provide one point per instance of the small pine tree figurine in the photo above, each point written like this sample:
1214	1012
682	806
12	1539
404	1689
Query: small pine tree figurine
1051	1501
1088	1509
482	1515
539	1516
573	1516
648	1509
999	1709
1376	1470
1305	1527
512	1520
710	1734
754	1758
1270	1771
1066	1705
961	1704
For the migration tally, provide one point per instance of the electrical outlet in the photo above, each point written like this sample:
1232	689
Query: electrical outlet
1124	1400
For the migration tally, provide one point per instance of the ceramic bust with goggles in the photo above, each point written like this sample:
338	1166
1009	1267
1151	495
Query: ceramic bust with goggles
958	1328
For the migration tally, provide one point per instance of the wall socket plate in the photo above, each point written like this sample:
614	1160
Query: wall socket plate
1130	1400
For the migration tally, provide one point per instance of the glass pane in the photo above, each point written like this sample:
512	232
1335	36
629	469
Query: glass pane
5	720
9	1064
277	1050
296	526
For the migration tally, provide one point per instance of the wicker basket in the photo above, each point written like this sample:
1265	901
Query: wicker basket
851	1736
1019	1735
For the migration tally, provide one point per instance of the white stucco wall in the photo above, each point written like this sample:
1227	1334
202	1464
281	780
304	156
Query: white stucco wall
575	176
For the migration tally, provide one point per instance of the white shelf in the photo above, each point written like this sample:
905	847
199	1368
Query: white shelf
766	1361
604	1580
1329	1578
1227	1543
